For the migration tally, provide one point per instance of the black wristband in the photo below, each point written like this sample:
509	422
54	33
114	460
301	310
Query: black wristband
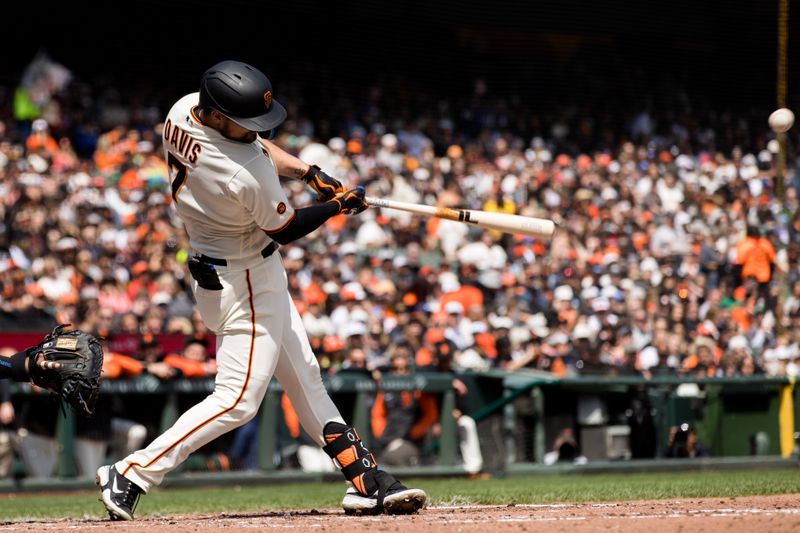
14	366
306	177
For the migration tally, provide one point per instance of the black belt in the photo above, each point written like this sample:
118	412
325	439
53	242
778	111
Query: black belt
266	252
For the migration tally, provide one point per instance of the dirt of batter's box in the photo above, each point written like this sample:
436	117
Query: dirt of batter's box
751	514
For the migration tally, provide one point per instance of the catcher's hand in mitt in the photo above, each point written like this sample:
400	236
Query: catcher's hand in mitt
68	363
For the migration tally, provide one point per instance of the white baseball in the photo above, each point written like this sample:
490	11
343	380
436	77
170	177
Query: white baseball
781	120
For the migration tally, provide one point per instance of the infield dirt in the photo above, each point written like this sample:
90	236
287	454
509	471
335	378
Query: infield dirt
751	514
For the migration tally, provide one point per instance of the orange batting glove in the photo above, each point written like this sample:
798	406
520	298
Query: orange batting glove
326	186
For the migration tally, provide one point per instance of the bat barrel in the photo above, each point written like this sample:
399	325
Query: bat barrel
534	227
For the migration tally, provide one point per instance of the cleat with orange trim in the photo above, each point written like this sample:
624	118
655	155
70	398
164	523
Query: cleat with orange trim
118	493
391	497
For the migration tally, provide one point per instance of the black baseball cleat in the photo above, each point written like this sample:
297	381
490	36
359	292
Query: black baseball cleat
391	497
118	493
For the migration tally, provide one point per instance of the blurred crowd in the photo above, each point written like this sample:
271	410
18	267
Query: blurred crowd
676	250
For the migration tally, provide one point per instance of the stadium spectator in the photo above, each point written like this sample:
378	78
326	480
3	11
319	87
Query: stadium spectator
589	359
684	443
781	359
153	361
194	361
310	457
354	364
468	441
401	420
756	256
565	450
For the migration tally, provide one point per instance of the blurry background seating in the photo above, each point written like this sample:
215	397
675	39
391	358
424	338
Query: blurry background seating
680	255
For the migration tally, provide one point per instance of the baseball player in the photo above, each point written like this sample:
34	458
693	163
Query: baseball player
226	190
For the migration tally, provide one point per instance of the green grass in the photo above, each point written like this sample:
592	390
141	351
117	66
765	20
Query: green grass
542	489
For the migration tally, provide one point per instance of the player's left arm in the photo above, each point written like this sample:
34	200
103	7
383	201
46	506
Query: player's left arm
258	190
288	165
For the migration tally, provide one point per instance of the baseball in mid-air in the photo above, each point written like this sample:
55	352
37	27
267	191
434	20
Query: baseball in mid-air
781	120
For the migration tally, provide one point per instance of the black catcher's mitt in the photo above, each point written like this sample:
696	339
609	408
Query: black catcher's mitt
76	378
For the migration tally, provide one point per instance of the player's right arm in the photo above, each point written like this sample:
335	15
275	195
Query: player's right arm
307	219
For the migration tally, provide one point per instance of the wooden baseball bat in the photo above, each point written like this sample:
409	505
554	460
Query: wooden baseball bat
535	227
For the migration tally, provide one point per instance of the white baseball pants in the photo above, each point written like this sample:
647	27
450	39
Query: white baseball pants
259	333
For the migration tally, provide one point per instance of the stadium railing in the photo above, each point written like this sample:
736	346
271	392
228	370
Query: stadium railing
726	412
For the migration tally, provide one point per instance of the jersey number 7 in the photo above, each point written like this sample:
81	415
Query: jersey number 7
180	174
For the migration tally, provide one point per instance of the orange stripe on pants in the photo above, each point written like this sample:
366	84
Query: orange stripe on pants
227	410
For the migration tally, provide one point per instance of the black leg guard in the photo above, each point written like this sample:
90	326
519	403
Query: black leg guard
356	462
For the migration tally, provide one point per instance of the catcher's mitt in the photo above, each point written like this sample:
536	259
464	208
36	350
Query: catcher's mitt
76	378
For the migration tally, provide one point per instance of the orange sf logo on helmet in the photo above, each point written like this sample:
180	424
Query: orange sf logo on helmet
267	99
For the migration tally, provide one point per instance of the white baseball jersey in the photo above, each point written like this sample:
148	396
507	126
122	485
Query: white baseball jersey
226	192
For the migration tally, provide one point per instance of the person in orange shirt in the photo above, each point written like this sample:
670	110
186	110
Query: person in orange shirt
40	138
193	362
703	359
401	420
756	257
119	366
310	457
466	295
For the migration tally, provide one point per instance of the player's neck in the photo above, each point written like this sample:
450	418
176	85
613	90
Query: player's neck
208	120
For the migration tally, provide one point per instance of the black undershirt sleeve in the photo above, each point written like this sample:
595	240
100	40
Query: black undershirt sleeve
306	220
13	367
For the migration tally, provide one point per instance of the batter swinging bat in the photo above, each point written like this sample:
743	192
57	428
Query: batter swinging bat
534	227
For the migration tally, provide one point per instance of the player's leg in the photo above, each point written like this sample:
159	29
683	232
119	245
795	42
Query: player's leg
246	357
372	490
240	387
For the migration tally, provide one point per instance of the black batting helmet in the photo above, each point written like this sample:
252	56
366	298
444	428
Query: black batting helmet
243	94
